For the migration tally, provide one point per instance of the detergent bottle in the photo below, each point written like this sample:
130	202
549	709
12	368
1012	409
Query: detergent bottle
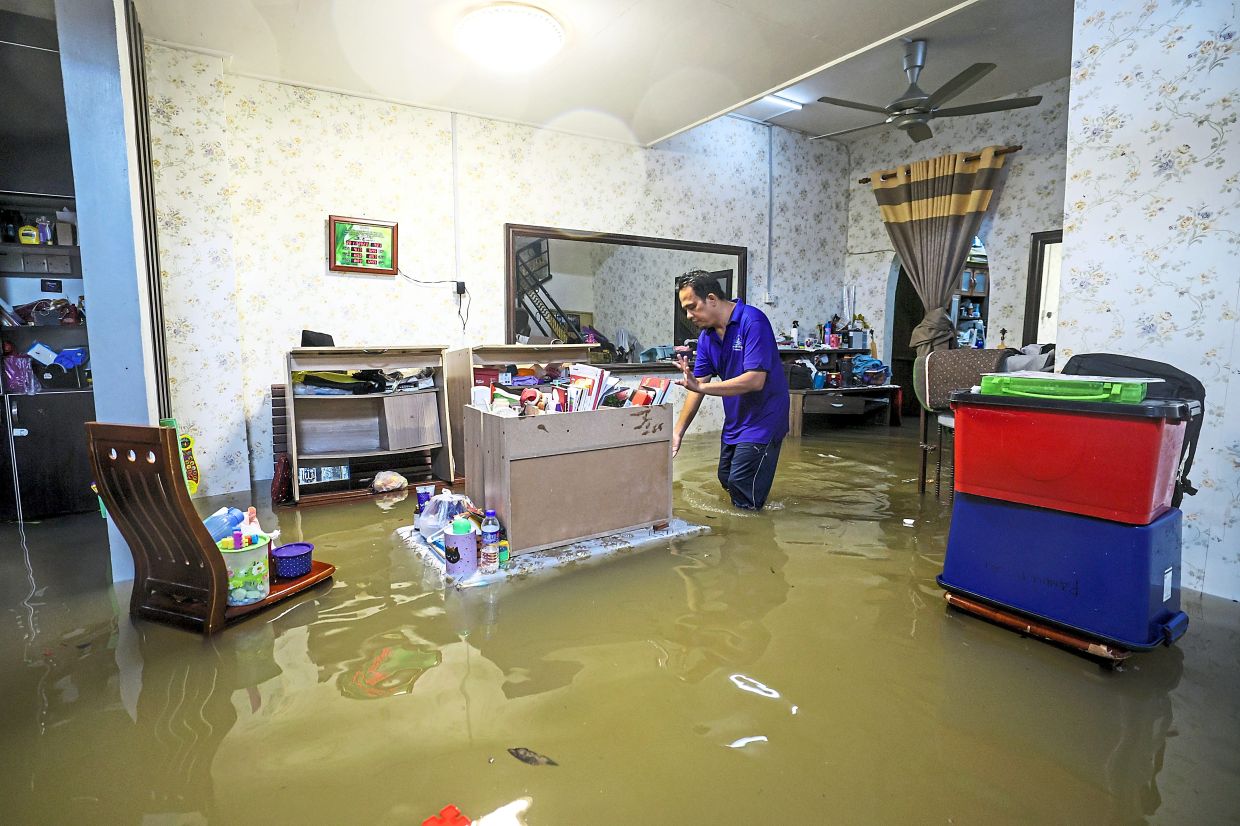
223	522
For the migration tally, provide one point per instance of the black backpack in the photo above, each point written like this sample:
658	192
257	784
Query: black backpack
800	377
1175	384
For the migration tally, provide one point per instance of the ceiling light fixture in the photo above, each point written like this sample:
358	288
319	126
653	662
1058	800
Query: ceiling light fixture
784	103
509	37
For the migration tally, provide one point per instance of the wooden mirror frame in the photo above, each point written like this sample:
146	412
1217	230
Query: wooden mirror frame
511	231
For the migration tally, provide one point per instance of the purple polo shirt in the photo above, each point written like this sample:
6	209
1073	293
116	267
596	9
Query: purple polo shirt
747	344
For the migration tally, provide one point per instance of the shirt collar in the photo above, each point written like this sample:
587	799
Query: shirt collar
736	311
732	319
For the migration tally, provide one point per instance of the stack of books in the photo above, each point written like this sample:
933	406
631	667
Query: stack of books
588	385
650	391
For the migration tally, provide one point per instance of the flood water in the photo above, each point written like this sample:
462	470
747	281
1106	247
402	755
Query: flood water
798	665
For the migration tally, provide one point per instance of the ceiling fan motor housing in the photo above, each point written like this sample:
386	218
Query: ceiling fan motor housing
914	60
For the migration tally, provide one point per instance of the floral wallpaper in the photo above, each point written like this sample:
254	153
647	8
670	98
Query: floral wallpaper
296	156
810	209
247	171
1152	228
706	185
189	141
1030	200
635	286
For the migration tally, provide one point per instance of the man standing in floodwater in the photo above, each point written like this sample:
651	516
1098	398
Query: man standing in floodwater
738	346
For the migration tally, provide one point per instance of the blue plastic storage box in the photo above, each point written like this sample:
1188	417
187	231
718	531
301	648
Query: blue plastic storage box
1119	583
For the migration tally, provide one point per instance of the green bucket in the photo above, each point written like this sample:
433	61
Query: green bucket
249	576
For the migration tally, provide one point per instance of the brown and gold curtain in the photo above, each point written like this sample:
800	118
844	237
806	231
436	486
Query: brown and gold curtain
932	210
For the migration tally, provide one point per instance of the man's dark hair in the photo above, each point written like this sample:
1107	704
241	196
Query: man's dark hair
703	284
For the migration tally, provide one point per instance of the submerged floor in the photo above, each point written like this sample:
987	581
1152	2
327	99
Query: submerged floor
798	665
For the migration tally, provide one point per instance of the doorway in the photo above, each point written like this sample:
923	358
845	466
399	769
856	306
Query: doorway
1042	289
907	313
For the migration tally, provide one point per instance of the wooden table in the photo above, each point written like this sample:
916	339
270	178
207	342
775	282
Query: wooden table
844	400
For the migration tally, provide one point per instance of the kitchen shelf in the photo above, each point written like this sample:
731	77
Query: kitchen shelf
44	249
41	328
51	392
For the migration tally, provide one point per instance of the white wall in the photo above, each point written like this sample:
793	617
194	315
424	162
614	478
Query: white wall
247	171
572	292
1152	228
1029	201
635	290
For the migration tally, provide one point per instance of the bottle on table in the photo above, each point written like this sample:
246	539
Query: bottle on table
488	558
796	334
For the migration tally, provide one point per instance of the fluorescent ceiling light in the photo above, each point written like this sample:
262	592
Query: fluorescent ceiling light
784	103
509	37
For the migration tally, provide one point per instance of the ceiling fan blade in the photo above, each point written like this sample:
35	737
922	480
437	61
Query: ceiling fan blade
959	83
852	104
849	131
919	132
988	106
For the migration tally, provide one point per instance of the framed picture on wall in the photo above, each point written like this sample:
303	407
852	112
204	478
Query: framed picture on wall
361	245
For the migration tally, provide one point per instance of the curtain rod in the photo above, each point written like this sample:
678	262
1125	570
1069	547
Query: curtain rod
1007	150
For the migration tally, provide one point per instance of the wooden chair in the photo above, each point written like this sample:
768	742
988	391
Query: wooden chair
179	574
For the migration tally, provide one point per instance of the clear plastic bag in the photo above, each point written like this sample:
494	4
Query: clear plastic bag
438	513
386	481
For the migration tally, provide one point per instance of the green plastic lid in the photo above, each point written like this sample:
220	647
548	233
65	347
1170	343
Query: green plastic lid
461	525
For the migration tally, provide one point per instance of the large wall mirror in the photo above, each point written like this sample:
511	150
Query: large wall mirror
618	290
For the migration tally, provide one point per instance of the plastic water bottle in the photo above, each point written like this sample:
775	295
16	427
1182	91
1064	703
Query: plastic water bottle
488	558
223	522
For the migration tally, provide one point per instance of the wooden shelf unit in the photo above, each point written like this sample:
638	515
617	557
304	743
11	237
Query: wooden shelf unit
459	367
356	428
973	289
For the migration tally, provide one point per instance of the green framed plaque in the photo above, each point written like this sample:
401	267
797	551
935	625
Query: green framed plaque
361	245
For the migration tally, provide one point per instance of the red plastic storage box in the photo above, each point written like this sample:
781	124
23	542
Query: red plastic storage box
1111	461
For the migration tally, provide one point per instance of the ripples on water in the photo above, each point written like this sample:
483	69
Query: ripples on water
797	660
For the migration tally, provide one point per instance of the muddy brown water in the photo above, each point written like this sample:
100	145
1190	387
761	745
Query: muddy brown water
798	665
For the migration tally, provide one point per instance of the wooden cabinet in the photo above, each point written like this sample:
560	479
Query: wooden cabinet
50	453
338	442
460	367
559	478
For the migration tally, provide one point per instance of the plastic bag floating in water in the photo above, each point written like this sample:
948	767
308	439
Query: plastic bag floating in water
531	758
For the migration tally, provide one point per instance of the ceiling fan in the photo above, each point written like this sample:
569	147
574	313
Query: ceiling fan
913	110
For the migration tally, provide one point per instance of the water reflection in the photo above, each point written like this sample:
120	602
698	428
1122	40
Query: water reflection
389	666
1102	730
730	584
660	671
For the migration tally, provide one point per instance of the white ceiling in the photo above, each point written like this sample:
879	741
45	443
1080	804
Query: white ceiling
632	70
1030	43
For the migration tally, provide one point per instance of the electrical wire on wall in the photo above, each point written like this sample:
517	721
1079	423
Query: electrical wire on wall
461	303
462	293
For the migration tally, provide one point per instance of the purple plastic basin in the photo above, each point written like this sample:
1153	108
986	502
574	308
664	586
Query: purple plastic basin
292	560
